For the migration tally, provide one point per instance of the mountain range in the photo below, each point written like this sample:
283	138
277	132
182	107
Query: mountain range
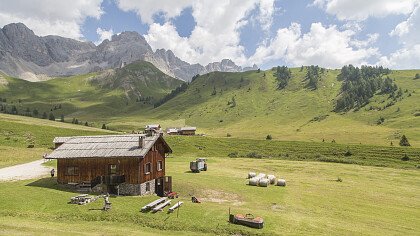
30	57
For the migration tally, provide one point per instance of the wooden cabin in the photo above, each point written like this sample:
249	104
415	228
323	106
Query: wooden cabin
120	164
187	130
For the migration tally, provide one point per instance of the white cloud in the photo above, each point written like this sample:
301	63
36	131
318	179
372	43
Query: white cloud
265	17
362	9
371	38
405	58
409	30
216	35
408	33
103	34
146	9
324	46
50	17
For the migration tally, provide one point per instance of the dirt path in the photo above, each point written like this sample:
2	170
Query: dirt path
24	171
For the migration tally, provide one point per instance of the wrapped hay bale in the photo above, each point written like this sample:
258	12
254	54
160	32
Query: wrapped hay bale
261	175
251	175
253	181
281	182
264	182
272	179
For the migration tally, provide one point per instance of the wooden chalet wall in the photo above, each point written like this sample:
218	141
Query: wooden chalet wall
131	167
153	156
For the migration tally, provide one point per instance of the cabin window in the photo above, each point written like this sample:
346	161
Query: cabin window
72	170
147	187
160	165
148	168
112	169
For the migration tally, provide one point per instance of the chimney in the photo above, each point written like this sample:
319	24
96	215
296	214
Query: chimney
141	141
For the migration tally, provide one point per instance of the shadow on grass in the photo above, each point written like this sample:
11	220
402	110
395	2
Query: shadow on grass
51	183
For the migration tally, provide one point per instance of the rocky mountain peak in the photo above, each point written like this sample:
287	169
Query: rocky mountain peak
22	53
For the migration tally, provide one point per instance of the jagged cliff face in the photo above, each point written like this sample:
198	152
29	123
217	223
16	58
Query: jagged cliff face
28	56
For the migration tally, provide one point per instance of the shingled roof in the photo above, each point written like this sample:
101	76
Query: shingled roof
105	146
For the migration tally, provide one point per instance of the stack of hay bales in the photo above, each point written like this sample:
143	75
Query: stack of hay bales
261	179
264	180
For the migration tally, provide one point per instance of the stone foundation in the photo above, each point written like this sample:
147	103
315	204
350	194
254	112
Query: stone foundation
137	189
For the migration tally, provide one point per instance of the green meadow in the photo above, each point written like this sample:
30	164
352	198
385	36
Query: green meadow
372	191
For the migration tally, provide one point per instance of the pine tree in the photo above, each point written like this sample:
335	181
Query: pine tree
51	117
73	121
76	121
404	141
86	123
62	118
14	110
44	115
103	126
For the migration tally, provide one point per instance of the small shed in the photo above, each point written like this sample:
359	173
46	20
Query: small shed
187	130
126	164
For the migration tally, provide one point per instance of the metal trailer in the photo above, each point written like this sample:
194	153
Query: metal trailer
198	165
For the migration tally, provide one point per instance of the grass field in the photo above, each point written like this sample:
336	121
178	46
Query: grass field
369	200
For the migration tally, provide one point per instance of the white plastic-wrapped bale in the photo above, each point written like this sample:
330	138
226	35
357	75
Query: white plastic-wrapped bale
251	175
261	175
253	181
281	182
264	182
272	179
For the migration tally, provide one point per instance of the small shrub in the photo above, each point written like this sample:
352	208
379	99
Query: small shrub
228	135
405	158
253	155
269	137
233	154
348	153
339	179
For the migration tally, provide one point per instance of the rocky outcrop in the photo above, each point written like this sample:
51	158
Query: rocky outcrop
28	56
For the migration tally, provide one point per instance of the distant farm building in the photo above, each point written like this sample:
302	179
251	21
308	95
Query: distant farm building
121	164
172	131
187	130
181	131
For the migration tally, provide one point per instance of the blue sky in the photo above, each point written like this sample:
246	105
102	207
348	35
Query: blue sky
330	33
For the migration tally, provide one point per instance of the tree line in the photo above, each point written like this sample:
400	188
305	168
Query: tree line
361	84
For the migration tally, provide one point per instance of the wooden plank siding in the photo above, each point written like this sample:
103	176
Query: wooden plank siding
132	168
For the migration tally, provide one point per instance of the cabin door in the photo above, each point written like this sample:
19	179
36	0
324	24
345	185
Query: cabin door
159	187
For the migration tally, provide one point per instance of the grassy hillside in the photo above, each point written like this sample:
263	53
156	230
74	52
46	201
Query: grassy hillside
244	105
293	113
17	133
91	97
